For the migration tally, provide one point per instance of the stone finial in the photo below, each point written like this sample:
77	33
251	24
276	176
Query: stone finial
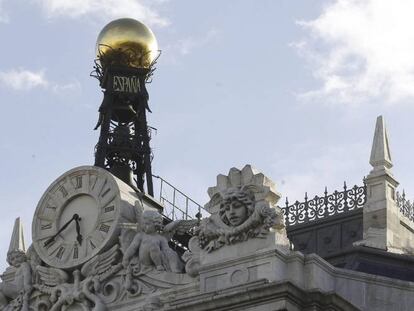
380	152
17	238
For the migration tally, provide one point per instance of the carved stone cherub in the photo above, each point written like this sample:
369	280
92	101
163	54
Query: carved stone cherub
151	247
17	281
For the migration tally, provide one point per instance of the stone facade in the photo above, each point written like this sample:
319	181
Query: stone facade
238	258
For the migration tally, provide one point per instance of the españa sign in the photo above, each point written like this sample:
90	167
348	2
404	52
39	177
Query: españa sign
126	84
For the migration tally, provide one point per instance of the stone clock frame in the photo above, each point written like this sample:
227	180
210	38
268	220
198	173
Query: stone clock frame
102	202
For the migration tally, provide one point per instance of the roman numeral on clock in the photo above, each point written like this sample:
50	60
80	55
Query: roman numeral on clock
46	226
108	209
78	182
105	192
63	191
104	228
60	252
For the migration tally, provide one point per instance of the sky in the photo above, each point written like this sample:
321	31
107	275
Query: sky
290	87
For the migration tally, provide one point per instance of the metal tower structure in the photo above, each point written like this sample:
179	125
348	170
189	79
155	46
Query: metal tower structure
124	142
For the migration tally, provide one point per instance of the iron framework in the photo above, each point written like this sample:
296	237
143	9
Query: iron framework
123	147
325	206
178	205
406	206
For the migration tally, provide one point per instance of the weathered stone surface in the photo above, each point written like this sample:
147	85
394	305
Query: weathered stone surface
249	267
271	279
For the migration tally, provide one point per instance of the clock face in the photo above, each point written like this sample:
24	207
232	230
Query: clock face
76	217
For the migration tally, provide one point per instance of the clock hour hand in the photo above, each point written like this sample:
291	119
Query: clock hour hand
76	216
79	235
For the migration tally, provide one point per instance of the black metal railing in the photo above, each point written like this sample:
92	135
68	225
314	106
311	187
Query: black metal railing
178	205
328	205
406	206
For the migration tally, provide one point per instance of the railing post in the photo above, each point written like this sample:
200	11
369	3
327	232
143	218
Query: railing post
162	181
173	205
287	212
176	210
186	208
306	208
326	202
345	197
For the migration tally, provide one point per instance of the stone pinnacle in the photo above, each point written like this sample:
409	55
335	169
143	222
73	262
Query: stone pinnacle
380	152
17	239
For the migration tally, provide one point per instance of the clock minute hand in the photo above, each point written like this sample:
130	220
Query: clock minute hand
61	229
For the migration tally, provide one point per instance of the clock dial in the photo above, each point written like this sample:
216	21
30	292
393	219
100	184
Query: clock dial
77	217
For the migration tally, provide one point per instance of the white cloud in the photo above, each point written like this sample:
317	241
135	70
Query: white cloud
67	87
185	46
21	79
361	50
25	80
142	10
182	47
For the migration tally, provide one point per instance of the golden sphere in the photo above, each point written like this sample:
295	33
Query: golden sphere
127	41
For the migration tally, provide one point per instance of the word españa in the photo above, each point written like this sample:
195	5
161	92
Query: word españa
126	84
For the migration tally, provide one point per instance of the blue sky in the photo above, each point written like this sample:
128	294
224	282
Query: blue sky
291	87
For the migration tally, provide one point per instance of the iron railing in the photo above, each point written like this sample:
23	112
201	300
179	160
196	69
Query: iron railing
328	205
178	205
406	206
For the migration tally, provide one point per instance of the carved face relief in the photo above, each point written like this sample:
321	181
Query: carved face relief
149	226
236	213
236	207
151	222
16	258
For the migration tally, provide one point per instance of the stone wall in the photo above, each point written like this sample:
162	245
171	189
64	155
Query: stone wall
269	269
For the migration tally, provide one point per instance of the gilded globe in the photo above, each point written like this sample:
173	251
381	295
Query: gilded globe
126	41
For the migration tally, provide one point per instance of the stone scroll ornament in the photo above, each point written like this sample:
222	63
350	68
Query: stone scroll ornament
242	207
83	292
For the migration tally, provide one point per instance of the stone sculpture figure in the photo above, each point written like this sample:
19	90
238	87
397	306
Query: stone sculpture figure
151	247
146	250
17	282
16	287
242	207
